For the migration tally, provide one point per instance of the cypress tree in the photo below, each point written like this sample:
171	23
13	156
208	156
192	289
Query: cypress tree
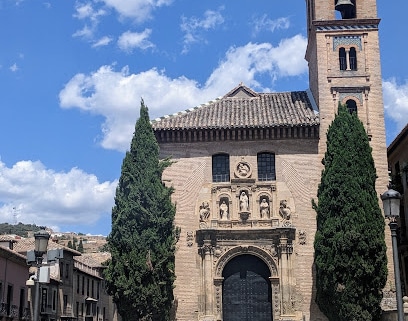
350	251
140	274
80	246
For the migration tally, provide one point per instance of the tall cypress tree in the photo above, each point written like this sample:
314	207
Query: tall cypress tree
140	274
350	251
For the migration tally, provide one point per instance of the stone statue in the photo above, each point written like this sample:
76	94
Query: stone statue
224	211
243	202
284	210
264	207
204	212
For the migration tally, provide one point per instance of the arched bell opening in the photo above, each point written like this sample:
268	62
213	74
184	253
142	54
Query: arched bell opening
347	8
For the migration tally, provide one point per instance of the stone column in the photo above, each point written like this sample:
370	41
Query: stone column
286	275
348	59
207	251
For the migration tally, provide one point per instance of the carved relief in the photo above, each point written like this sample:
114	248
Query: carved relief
204	214
243	170
284	210
254	250
302	237
190	238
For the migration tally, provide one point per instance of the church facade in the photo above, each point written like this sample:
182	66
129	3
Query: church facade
247	165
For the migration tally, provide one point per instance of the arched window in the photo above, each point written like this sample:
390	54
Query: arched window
342	59
266	167
220	168
347	9
351	106
353	58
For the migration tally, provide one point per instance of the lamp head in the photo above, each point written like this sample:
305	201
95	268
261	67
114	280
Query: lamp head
41	242
391	202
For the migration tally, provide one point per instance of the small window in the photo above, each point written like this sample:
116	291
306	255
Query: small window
220	168
266	167
353	58
342	59
351	106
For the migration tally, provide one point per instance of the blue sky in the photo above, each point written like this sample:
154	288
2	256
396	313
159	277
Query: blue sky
72	74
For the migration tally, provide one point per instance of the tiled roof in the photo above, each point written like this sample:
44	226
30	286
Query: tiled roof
93	259
5	252
24	245
243	108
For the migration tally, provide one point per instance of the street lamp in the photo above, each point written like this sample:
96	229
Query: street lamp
391	202
40	248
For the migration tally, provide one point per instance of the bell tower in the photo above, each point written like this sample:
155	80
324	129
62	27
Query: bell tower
344	66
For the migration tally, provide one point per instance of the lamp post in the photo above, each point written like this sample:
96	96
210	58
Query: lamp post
40	248
391	202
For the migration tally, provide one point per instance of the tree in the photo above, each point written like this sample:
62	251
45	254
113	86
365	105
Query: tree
140	274
350	251
80	246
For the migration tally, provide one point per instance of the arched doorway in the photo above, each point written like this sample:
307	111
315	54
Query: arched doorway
246	293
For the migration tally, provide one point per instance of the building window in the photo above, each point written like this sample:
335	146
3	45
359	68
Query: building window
342	59
65	303
351	106
266	167
348	58
77	290
22	303
54	300
220	168
83	285
353	58
9	300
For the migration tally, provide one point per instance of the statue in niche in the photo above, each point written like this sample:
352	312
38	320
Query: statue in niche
264	208
243	202
224	210
284	210
204	212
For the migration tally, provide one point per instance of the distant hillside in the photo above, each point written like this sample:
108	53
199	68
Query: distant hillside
77	241
19	229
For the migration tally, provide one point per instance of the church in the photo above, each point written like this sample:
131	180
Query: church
247	165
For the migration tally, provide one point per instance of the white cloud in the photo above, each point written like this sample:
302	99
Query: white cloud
116	94
104	41
193	27
86	32
264	23
45	197
139	10
130	40
87	12
396	104
14	67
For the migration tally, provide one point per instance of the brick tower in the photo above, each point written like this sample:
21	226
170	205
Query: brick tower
344	66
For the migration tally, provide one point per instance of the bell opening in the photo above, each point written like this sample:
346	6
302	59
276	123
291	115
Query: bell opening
346	8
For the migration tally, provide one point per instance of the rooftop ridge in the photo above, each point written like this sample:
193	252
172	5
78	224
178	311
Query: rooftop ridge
185	111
